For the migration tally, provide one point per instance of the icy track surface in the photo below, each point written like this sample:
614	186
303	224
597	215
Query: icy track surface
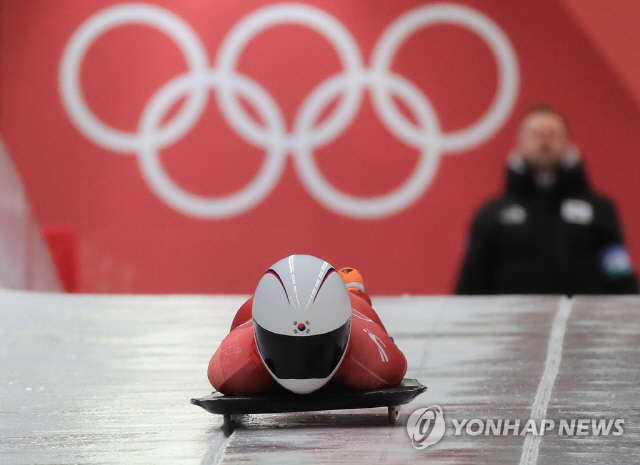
104	379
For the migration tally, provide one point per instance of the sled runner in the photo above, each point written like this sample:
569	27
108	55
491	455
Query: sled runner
323	399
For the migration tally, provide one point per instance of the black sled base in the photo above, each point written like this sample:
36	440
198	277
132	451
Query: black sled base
323	399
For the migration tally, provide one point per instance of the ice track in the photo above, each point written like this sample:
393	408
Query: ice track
107	379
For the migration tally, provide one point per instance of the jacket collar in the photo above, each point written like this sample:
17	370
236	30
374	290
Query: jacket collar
570	179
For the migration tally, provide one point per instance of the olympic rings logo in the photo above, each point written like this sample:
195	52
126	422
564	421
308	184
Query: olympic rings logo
273	137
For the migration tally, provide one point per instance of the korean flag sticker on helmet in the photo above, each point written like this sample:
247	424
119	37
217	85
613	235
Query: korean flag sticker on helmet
576	211
616	261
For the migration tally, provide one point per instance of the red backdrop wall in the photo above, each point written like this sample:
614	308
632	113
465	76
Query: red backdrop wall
137	233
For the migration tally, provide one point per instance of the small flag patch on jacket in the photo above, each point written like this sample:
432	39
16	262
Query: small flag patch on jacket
616	261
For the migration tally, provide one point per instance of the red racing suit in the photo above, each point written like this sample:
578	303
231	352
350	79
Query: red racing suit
372	359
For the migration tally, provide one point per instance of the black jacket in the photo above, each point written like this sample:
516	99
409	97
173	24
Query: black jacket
564	239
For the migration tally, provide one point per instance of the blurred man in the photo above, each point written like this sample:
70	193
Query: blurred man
549	233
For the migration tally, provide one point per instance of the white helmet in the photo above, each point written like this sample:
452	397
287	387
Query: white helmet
301	322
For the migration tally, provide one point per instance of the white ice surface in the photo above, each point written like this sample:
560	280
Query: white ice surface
107	379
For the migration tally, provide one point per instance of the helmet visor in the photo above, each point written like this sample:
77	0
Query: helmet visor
302	357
